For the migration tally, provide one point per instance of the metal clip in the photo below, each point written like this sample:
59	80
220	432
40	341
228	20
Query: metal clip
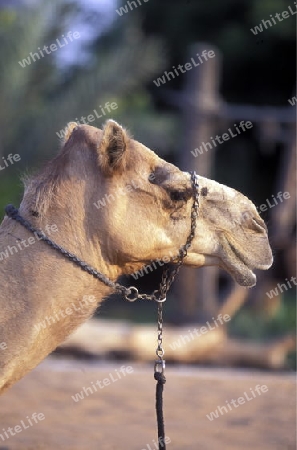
160	362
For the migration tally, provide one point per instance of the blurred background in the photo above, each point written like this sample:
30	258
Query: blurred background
117	57
122	50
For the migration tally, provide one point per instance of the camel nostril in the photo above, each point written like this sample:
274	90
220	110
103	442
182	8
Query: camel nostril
259	225
204	191
253	222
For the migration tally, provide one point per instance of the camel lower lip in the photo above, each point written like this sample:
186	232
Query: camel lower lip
237	266
245	277
239	271
243	274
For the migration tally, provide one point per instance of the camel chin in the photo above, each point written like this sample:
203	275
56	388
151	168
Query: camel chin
242	274
239	271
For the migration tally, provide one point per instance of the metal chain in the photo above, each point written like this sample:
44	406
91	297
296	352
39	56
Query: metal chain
160	351
160	362
168	276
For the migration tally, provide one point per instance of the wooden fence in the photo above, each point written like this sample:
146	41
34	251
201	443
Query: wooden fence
203	110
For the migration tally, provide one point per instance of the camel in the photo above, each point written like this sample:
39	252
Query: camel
118	206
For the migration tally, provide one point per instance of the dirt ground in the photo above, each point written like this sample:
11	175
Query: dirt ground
120	415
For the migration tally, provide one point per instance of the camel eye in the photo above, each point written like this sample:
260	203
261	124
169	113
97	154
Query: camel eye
177	196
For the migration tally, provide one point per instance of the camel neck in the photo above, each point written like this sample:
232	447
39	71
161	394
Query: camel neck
52	300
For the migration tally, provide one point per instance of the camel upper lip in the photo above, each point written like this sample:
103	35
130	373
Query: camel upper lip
240	256
243	257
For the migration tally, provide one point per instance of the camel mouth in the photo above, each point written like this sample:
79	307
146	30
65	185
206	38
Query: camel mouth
233	261
246	278
241	266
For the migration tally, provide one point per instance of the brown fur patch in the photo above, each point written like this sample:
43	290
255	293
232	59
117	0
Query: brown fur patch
42	189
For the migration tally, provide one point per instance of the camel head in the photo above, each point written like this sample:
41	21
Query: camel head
138	207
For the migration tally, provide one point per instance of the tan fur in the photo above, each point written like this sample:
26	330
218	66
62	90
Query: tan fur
144	219
68	130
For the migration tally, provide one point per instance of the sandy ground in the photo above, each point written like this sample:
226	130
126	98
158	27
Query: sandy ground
120	416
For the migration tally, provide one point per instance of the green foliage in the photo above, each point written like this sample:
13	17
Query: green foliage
136	111
11	188
252	325
37	101
257	326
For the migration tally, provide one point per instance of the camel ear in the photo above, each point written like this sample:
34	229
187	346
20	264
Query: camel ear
112	147
68	131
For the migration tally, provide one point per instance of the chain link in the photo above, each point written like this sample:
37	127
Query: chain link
169	274
160	351
160	362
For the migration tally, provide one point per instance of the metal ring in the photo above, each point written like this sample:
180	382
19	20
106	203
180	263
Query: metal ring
132	291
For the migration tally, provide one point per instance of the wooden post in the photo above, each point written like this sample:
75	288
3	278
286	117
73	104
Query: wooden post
197	289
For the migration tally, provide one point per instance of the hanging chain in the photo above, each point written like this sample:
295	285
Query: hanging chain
131	293
168	276
160	350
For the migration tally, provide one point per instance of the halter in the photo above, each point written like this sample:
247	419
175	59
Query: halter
131	293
